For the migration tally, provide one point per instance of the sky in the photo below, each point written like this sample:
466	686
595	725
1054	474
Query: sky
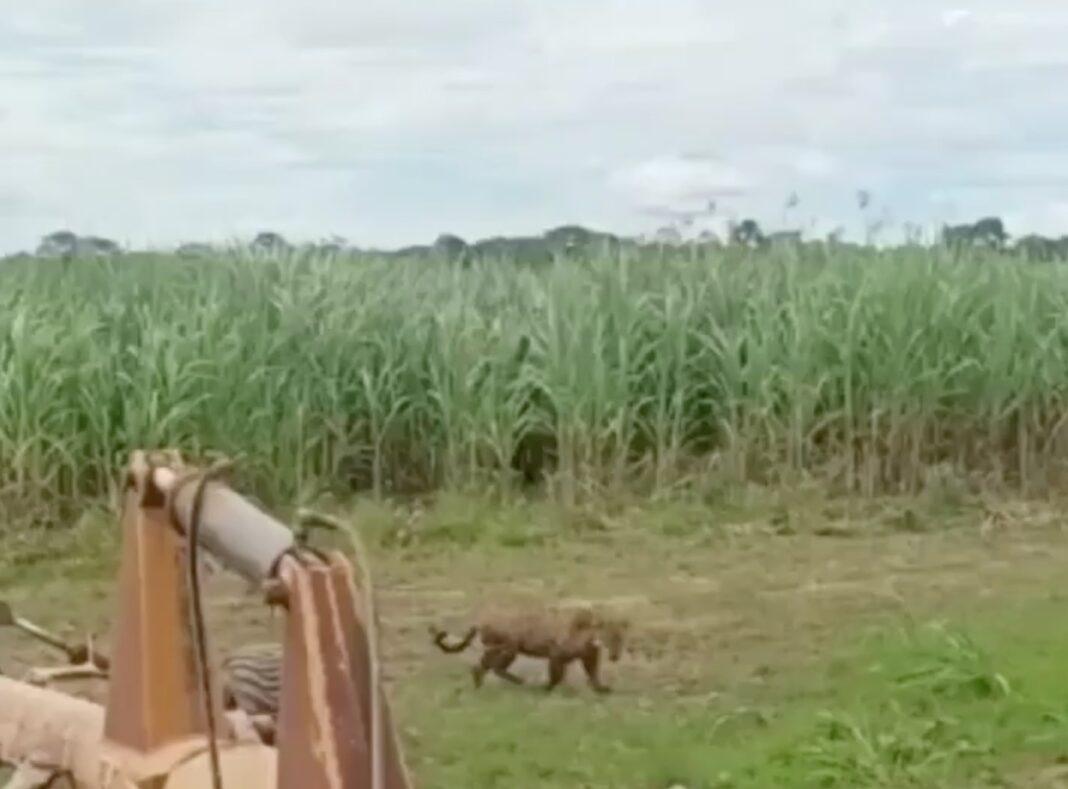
387	122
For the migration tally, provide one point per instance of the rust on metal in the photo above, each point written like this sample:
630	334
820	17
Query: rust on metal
351	620
154	710
322	736
275	594
334	728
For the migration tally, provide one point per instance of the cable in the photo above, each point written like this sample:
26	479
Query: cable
199	631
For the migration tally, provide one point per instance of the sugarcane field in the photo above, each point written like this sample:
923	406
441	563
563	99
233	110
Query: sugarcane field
603	395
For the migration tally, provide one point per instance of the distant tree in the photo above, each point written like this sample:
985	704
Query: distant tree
62	243
987	232
268	241
65	244
496	247
990	232
332	245
1039	248
525	250
568	237
669	235
94	245
957	235
569	240
450	248
708	238
784	238
747	233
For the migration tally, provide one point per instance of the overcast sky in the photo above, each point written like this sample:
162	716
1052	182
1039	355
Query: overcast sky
388	122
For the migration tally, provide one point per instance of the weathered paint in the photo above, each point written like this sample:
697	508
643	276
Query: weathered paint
155	711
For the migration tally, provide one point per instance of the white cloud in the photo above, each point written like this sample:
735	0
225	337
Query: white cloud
952	17
815	164
680	183
390	120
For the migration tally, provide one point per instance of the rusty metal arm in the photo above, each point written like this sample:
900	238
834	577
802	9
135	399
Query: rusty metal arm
334	727
245	539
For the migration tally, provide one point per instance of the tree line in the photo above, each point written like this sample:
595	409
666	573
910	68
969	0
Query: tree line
985	233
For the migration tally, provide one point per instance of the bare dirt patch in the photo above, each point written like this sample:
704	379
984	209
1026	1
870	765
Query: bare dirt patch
705	609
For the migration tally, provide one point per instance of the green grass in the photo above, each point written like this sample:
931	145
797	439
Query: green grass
943	705
760	656
644	373
676	409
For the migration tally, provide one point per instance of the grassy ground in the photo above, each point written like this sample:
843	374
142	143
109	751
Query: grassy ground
779	639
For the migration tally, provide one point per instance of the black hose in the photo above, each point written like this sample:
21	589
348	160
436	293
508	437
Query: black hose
200	639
